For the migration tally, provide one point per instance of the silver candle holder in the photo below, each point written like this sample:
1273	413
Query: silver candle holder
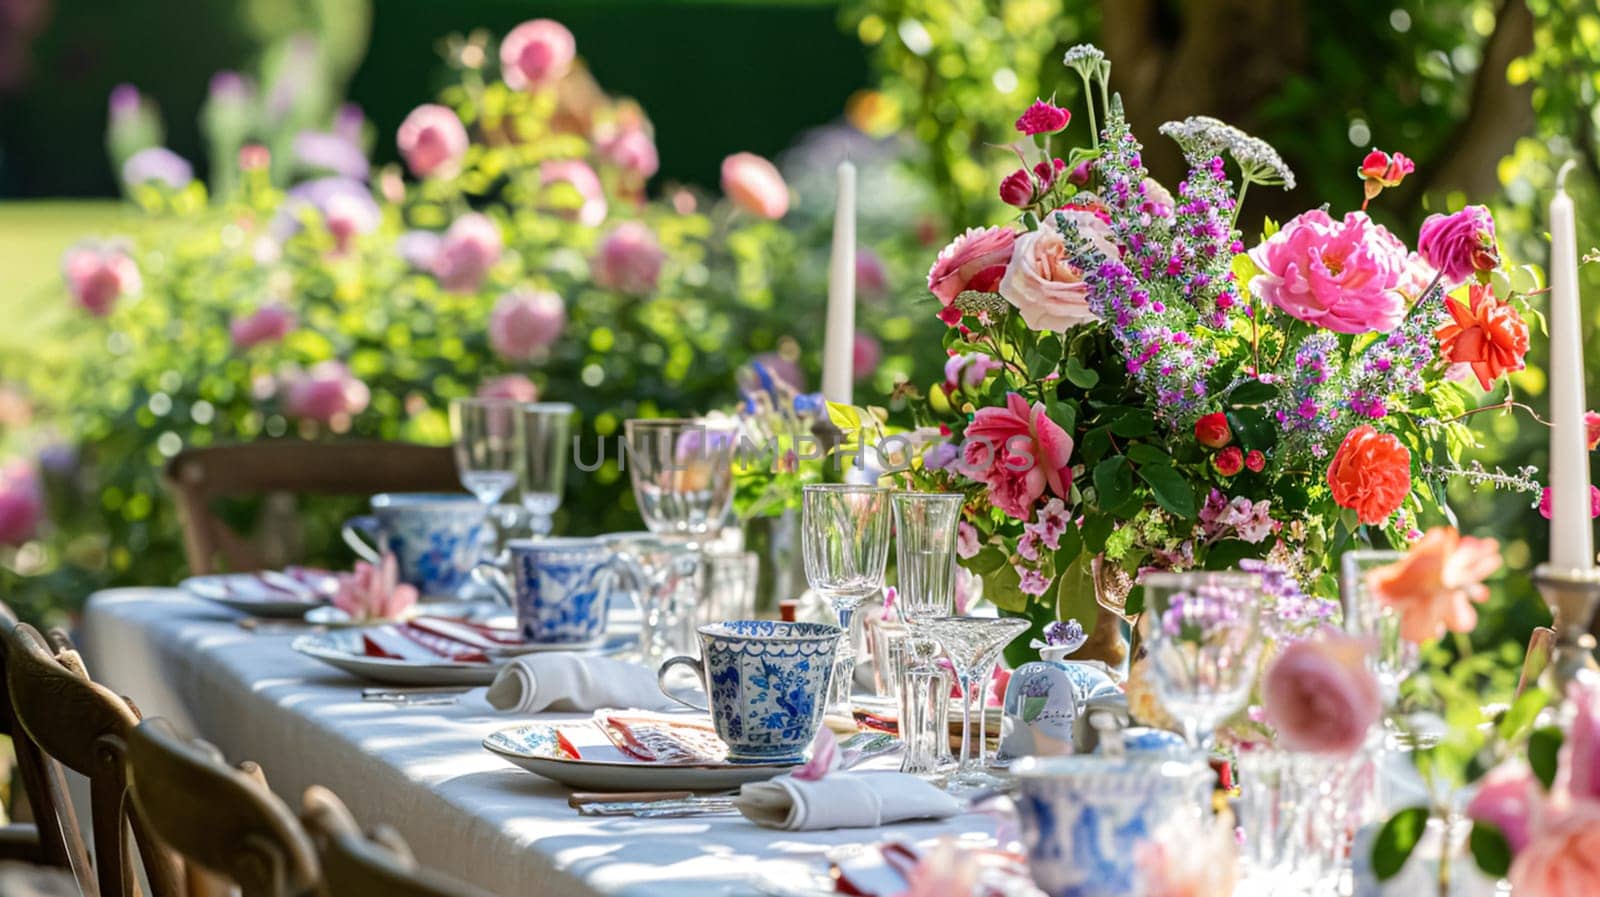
1573	595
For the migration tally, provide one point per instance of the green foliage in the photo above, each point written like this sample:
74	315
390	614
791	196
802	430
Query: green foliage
1396	840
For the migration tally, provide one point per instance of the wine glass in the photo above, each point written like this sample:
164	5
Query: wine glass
1201	633
1392	658
926	529
682	472
546	427
663	571
845	541
488	436
973	645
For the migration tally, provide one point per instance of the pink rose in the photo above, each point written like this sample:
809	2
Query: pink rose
515	387
1594	502
585	201
968	369
629	259
1459	244
871	278
1319	695
1044	284
1017	189
633	151
1018	452
324	393
865	353
469	249
525	322
418	248
536	53
267	324
21	503
976	260
754	184
1338	275
432	141
347	216
98	276
375	592
1562	857
1506	799
1579	777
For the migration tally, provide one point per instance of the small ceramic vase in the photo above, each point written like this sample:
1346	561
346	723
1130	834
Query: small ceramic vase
1045	700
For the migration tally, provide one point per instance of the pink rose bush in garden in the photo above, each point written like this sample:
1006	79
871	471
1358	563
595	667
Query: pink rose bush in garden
466	253
526	322
325	394
629	259
433	141
536	54
98	276
754	184
516	387
267	324
576	179
21	503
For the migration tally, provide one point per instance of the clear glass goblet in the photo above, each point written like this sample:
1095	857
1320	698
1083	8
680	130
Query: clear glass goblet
682	472
845	542
488	435
1393	658
1201	634
973	645
665	574
546	433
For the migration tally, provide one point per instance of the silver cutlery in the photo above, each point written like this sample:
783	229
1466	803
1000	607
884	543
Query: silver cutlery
721	805
420	696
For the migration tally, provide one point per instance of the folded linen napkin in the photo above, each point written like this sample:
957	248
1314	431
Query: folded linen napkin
562	681
843	800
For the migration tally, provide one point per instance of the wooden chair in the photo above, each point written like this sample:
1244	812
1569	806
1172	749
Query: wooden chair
222	818
199	477
354	865
85	727
50	835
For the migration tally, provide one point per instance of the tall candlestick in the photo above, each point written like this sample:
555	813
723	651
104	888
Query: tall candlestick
1571	534
838	345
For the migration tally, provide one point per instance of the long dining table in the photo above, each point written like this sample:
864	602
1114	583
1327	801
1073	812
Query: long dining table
422	768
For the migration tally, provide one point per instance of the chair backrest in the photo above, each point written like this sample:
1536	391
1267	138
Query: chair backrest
198	477
222	818
354	865
52	838
85	726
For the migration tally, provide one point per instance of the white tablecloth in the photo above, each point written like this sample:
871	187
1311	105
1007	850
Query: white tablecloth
421	768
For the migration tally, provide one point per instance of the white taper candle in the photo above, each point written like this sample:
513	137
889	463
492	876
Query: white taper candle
838	344
1571	533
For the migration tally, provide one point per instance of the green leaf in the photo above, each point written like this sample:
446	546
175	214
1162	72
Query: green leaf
1045	361
1134	606
845	417
1096	529
1075	594
986	561
1065	414
1226	553
1519	718
1133	423
1171	490
1095	444
1490	848
1080	376
1253	392
1071	546
1251	428
1002	588
1396	840
1544	745
1145	453
1113	481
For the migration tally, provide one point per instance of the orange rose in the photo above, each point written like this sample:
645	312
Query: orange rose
1435	585
1370	474
1487	334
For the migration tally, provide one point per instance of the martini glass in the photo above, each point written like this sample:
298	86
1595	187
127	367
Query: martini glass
845	541
973	645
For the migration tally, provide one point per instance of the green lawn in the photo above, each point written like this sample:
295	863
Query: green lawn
32	237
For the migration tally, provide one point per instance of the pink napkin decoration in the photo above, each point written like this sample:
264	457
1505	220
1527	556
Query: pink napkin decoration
375	592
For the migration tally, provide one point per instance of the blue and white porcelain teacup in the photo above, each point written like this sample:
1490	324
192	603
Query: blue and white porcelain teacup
767	682
561	587
1082	815
436	537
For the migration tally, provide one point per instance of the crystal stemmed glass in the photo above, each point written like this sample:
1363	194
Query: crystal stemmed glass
1393	658
661	570
546	427
973	645
845	541
488	436
1200	631
926	529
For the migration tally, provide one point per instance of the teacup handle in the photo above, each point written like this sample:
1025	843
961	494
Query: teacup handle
489	575
357	531
699	672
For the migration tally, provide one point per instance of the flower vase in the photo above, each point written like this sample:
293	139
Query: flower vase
1043	701
775	540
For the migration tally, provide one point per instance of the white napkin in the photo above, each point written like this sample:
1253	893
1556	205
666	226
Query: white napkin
574	682
843	800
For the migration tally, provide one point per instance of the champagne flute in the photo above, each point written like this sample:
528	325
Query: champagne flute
546	428
488	436
845	541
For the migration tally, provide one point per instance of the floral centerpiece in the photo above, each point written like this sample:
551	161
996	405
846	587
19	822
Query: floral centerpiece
1134	383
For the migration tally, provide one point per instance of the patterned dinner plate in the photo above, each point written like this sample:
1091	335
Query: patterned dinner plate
268	593
343	649
536	748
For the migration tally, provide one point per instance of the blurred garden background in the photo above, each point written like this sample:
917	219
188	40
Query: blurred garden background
1488	96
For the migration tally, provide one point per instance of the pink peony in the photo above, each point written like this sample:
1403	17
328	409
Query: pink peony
1562	857
21	503
432	141
976	260
1338	275
633	151
1579	777
1594	502
865	354
629	259
515	387
585	201
325	392
1320	696
267	324
871	278
754	184
375	592
469	249
1506	799
1018	452
1460	244
98	276
525	322
536	53
1043	118
1041	280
